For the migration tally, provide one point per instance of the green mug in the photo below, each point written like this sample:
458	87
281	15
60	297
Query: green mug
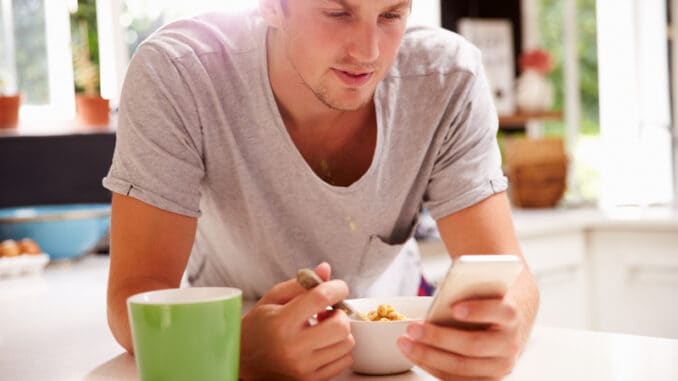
186	333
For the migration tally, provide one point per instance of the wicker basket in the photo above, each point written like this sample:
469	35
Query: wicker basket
537	171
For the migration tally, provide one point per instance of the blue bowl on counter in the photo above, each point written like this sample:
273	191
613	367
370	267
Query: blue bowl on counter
62	231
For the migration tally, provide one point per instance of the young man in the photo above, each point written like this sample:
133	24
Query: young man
311	132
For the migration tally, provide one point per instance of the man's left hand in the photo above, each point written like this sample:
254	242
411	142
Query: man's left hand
455	354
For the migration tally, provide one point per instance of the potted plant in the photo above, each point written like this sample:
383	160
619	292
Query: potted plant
92	109
9	106
534	92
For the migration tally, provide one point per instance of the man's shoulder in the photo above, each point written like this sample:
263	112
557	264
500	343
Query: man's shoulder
209	33
430	51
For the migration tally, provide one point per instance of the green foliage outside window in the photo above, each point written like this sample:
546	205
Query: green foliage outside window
85	45
551	29
586	157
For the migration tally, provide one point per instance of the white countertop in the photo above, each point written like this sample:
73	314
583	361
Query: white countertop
53	327
533	222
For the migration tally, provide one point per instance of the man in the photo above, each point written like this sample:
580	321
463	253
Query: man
311	132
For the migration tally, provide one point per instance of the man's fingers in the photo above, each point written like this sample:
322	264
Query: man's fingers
285	291
331	353
452	363
331	330
282	293
333	369
324	271
480	343
494	311
309	303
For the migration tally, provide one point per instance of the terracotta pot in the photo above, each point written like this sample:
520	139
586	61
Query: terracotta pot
92	110
9	111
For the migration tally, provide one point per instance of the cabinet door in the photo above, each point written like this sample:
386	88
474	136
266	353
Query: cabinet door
636	285
558	264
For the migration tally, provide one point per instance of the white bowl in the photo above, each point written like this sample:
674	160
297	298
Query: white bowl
375	351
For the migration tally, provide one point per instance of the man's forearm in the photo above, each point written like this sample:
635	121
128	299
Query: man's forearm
118	318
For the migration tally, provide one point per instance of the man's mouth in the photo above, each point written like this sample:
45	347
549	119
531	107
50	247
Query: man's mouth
353	79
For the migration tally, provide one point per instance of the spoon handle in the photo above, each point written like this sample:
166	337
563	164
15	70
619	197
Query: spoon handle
308	279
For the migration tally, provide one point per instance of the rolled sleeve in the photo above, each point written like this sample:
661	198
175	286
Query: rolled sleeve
467	169
158	152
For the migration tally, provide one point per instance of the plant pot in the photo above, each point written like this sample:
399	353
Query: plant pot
534	93
92	110
9	111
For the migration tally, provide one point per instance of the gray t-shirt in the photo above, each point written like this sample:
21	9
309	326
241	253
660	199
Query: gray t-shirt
200	134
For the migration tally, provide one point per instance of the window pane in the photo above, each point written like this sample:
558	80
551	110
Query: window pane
4	54
7	82
587	157
31	50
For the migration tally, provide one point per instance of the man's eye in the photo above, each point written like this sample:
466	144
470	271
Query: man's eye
337	14
391	16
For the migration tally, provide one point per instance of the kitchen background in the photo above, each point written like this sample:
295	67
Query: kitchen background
585	94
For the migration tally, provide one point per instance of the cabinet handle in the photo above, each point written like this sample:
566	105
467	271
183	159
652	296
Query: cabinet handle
558	274
654	272
654	267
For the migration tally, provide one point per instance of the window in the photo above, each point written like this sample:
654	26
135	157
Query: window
634	102
585	146
35	59
31	50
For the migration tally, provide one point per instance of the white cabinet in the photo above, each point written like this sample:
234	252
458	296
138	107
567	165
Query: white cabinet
606	274
558	262
556	259
636	284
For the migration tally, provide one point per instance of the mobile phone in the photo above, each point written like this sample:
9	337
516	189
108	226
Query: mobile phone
481	276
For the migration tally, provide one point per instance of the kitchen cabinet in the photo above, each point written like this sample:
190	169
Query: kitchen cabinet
58	167
636	280
614	272
558	262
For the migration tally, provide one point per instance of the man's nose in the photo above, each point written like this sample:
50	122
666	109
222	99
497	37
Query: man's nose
364	43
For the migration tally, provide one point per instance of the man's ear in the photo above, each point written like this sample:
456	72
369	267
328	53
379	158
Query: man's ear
272	12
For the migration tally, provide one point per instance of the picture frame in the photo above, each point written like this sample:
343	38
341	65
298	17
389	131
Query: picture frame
494	38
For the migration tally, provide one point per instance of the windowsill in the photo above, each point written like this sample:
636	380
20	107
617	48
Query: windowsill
62	127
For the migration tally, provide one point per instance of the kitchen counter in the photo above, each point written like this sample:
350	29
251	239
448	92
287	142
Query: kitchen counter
531	223
535	222
53	327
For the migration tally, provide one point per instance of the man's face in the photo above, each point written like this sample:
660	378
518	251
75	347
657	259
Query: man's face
341	49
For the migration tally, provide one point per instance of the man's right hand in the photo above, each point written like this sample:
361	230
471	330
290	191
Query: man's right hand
278	343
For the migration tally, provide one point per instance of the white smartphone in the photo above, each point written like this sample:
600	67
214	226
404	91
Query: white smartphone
480	276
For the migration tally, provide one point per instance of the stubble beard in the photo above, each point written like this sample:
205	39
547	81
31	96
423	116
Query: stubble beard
321	92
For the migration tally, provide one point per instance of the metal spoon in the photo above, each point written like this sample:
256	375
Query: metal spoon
308	279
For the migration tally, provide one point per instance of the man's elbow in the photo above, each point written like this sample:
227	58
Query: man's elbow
119	325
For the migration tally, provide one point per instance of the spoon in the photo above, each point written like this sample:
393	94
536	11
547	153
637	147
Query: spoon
308	279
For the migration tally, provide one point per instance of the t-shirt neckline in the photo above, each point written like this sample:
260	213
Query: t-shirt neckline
298	159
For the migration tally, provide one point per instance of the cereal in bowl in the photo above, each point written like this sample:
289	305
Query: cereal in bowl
384	312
